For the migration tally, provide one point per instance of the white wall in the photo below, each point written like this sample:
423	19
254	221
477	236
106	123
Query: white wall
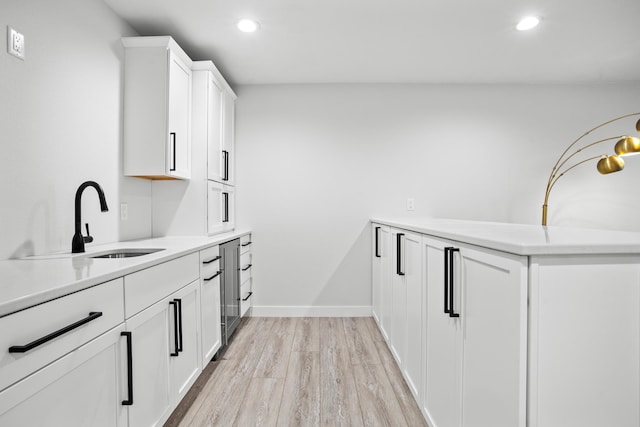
316	162
61	121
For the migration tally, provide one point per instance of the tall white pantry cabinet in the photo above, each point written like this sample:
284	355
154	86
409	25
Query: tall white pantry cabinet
519	325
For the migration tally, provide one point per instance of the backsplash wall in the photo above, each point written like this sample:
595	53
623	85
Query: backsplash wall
61	121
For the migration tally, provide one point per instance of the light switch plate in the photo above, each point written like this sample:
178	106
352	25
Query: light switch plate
15	43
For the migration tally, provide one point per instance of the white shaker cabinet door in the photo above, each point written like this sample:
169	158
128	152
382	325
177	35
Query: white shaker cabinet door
157	109
493	309
405	282
381	274
443	347
150	353
210	303
228	137
220	207
83	388
398	332
413	365
214	129
476	336
186	365
179	118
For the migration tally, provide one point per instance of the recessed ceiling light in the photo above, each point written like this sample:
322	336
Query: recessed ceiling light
527	23
247	25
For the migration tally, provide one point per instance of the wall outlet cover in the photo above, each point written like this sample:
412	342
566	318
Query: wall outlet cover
15	43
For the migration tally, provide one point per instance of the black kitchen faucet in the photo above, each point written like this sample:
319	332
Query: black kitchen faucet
77	244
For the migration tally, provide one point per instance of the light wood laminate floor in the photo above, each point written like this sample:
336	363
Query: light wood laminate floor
301	372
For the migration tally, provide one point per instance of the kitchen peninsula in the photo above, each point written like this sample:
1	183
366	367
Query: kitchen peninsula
511	325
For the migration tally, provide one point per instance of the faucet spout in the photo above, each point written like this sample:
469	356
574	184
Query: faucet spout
77	243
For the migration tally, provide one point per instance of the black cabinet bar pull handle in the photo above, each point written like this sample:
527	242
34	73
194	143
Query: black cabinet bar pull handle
175	327
173	142
212	260
248	296
225	202
179	301
24	348
206	279
129	401
246	244
377	242
247	267
225	172
399	271
451	283
446	279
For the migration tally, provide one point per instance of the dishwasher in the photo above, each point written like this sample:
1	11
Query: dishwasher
230	289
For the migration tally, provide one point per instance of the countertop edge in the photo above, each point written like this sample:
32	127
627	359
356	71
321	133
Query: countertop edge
137	264
441	228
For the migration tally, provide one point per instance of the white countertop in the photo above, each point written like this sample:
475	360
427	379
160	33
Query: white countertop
31	281
522	239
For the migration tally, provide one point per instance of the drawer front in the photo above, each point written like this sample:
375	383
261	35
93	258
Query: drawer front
245	267
144	288
245	243
57	316
246	297
209	261
79	389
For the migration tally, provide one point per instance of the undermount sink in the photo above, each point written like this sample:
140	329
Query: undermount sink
125	253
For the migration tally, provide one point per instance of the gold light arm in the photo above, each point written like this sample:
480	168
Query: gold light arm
615	165
555	167
578	152
553	182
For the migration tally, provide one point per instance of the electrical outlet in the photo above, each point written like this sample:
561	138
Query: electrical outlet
15	43
124	212
411	204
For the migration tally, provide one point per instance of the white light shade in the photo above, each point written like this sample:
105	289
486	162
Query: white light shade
527	23
247	25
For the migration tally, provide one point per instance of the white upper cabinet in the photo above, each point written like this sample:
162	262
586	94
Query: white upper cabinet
220	208
157	109
228	137
215	96
214	120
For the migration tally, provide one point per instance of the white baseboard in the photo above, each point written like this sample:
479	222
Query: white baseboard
311	311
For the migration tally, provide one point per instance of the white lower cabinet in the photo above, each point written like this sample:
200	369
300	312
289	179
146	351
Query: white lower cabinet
165	355
150	348
80	389
381	276
61	361
186	365
246	275
121	353
545	339
406	306
398	299
476	336
210	274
